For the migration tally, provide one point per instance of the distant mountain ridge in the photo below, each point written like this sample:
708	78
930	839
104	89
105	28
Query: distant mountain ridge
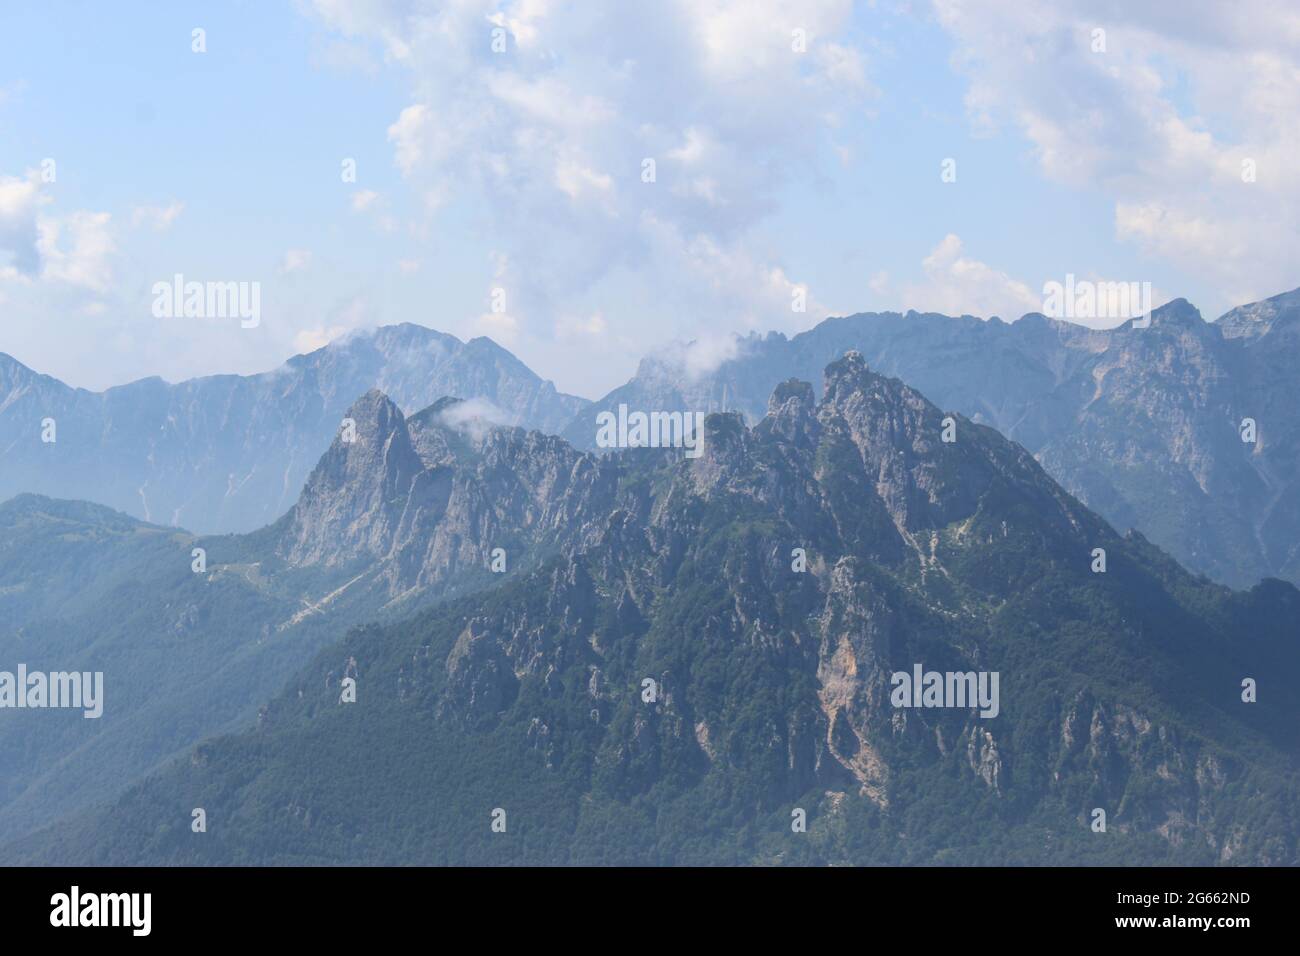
230	453
1143	424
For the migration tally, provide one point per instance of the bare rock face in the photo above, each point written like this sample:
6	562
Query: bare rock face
354	501
420	502
481	683
856	627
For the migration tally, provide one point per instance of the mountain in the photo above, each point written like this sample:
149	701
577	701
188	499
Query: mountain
1144	425
230	453
397	514
714	648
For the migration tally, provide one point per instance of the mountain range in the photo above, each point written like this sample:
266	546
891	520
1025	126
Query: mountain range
1144	425
230	453
693	660
638	655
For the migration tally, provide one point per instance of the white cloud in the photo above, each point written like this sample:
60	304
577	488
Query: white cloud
706	353
696	357
1179	233
1160	122
158	218
574	326
411	135
309	340
77	249
956	284
474	416
549	102
295	260
577	181
20	200
714	278
370	203
546	141
501	327
363	199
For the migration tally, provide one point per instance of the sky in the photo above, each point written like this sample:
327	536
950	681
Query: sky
483	168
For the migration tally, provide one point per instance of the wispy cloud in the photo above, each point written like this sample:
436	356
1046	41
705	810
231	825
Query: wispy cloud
606	139
1170	110
158	218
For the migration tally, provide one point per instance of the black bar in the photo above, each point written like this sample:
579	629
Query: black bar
337	905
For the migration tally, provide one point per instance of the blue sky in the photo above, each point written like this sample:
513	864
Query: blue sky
777	169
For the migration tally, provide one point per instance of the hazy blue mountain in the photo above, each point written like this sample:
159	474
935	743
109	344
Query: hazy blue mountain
230	453
407	513
1119	690
1142	424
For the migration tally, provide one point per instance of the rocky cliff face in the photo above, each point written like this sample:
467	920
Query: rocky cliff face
417	502
230	453
961	555
1144	425
704	646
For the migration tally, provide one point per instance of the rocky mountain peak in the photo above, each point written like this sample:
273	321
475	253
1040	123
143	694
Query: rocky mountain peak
1178	313
10	367
353	499
792	396
850	374
791	412
17	380
1258	319
874	404
930	467
430	499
